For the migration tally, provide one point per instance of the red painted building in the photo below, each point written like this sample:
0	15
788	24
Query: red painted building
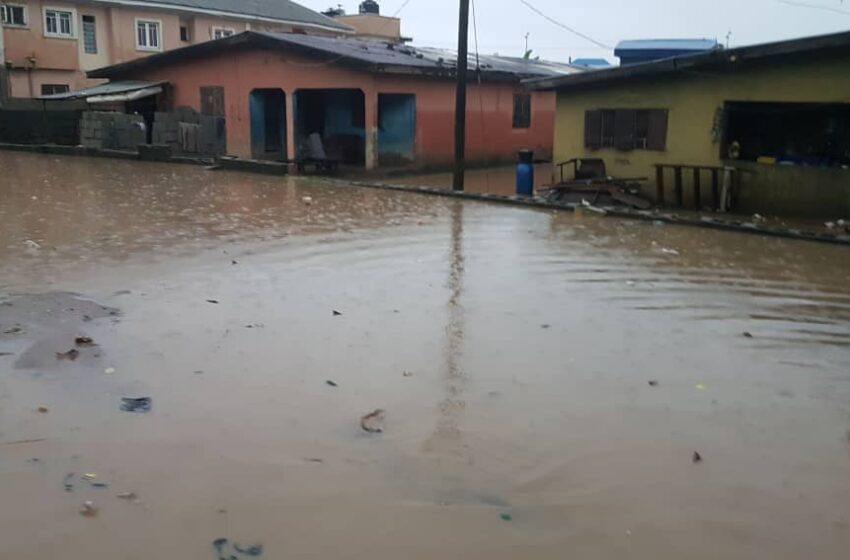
372	103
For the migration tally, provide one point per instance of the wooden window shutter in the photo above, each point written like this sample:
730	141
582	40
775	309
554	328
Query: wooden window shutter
593	129
657	135
624	129
212	101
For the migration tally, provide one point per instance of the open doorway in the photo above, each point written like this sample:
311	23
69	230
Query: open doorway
268	124
396	129
335	119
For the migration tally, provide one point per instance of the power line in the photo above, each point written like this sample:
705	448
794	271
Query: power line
814	7
563	26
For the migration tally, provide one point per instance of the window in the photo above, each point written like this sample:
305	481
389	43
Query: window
13	14
212	101
787	134
184	34
522	110
89	35
626	129
51	89
148	35
59	23
222	32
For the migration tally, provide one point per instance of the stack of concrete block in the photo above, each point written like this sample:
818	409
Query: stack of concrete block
186	132
112	131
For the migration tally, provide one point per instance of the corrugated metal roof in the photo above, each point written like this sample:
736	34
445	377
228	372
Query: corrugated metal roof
381	53
667	44
283	10
591	62
370	55
112	88
719	60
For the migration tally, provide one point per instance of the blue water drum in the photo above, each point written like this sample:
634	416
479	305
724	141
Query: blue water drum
525	173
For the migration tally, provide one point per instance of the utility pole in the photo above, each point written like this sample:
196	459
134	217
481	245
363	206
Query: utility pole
460	101
4	82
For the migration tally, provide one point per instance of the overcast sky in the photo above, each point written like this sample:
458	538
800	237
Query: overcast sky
502	24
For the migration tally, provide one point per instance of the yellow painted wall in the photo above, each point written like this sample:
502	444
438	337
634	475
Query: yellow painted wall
693	99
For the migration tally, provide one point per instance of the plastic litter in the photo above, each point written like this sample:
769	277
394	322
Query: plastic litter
506	517
337	313
88	509
109	371
253	550
140	405
84	341
697	458
213	301
43	409
748	335
653	383
702	387
331	383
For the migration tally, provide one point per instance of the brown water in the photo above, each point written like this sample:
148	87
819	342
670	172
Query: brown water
525	428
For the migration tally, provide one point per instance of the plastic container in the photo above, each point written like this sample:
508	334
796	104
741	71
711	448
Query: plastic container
525	173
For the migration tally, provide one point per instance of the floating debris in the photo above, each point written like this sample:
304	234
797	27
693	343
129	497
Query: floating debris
70	355
140	405
89	476
653	383
308	200
545	326
109	371
43	409
701	387
213	301
373	421
506	517
233	262
89	509
99	485
14	330
747	335
5	354
331	383
314	460
337	313
68	482
84	341
408	374
253	550
697	458
129	496
672	252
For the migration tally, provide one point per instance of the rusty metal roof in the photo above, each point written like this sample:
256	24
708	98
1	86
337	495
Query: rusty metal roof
716	60
368	55
112	88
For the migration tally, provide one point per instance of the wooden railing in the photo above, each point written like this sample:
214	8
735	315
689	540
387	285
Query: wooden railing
723	194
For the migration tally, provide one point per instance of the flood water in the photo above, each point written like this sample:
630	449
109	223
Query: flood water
512	350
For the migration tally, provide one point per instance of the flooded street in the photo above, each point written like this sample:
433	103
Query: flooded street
546	378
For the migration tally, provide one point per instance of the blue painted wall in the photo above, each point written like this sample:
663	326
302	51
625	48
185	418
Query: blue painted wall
397	126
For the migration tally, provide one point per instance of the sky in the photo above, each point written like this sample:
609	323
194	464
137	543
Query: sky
502	24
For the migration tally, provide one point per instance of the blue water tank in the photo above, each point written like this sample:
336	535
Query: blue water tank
525	173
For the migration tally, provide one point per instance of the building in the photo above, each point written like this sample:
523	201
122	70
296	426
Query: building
591	63
779	111
49	45
369	23
372	103
646	50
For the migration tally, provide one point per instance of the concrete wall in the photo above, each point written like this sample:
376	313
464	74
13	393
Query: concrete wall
373	26
693	101
490	134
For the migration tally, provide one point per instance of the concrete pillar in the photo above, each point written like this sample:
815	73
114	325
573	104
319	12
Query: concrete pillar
291	152
371	98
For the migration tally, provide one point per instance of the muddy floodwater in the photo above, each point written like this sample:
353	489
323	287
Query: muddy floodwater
546	379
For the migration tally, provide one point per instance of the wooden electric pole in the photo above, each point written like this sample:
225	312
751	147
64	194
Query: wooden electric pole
460	102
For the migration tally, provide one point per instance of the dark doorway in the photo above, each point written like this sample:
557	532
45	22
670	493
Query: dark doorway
396	129
268	124
336	117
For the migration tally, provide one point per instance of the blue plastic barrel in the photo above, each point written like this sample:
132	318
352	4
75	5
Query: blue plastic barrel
525	173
